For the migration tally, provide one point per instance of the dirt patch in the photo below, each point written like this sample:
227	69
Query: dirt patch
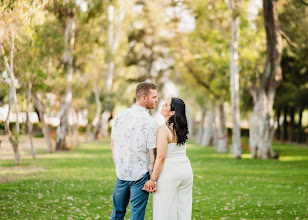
33	168
8	174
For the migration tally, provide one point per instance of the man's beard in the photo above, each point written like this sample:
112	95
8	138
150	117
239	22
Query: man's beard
150	106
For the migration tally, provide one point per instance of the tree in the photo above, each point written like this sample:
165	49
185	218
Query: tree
290	97
203	62
261	125
234	79
66	13
9	67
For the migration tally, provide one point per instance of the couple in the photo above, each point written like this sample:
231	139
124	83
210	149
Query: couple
134	137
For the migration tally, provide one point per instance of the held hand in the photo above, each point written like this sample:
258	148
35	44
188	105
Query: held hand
150	186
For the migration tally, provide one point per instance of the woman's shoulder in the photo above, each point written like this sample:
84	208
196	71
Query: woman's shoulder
162	129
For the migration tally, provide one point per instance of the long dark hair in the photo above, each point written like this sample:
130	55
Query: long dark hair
179	120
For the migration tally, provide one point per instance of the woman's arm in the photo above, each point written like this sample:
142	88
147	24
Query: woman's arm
162	146
152	159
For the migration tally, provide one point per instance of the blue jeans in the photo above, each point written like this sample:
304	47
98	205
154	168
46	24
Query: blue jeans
125	190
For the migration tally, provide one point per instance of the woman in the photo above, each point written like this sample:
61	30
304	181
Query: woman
172	173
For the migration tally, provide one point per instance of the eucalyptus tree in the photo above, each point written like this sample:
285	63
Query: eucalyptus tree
102	23
149	39
201	56
261	129
234	78
13	16
37	68
66	12
115	14
9	68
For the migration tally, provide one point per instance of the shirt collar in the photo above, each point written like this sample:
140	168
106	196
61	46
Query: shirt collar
140	108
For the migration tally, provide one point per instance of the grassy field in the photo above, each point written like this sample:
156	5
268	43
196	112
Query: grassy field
79	185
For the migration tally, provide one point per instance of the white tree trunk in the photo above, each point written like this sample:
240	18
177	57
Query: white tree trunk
200	126
261	123
13	140
234	80
98	125
12	98
40	108
29	124
105	124
66	100
222	133
113	41
208	131
75	128
261	130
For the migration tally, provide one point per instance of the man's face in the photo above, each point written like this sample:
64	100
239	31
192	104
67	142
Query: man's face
151	99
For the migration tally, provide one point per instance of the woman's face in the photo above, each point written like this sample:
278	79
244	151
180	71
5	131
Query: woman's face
166	109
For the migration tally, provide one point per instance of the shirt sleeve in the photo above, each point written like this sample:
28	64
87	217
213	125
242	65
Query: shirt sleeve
114	127
152	136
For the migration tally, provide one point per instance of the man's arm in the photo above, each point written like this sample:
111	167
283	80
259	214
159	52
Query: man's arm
112	147
152	160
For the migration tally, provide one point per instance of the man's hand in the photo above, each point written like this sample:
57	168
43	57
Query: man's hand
150	186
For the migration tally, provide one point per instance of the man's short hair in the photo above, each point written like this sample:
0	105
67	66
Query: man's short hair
144	89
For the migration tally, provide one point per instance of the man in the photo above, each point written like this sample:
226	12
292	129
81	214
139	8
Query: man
133	139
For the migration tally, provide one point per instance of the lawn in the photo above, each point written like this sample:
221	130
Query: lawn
79	185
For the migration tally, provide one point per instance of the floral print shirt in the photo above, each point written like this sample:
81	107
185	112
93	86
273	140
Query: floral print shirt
134	133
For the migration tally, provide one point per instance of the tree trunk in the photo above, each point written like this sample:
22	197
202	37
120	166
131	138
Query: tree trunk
208	131
40	108
13	142
105	124
234	80
292	124
12	98
299	125
75	127
261	124
278	132
98	125
69	30
215	130
88	132
285	124
98	128
113	41
200	126
28	91
222	133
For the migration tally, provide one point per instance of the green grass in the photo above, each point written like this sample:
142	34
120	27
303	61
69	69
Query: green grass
79	185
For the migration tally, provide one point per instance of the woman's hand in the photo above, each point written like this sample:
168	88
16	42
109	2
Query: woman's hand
150	186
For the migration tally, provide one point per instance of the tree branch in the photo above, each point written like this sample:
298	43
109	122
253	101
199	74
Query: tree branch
304	2
290	42
253	92
200	81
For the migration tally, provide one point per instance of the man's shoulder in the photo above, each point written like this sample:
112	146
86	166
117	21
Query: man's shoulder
153	122
123	112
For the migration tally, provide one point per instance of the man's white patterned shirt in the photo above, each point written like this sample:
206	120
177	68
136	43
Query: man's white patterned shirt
134	132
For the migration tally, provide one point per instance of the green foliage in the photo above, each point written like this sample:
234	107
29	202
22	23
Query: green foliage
293	91
79	185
